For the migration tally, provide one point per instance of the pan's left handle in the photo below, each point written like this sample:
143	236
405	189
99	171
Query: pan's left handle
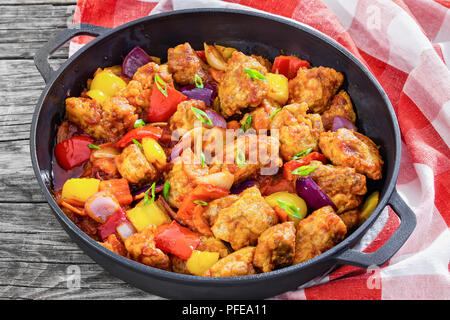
42	55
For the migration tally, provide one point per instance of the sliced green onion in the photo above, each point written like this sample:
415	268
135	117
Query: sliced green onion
146	198
302	154
201	202
246	125
202	158
304	170
139	123
240	158
202	116
138	144
166	190
93	146
159	83
290	209
274	113
198	81
255	74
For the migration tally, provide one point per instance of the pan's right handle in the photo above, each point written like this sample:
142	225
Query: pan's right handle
391	246
42	55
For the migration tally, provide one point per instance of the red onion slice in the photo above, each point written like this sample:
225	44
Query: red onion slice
134	60
237	189
314	197
339	122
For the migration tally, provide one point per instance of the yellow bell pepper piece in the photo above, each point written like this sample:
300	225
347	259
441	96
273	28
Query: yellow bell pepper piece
154	152
80	189
107	82
97	95
200	261
369	205
143	215
278	87
290	198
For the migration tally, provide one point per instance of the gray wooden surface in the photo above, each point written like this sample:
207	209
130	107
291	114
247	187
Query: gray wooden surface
37	258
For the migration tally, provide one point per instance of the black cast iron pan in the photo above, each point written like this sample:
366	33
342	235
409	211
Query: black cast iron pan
253	33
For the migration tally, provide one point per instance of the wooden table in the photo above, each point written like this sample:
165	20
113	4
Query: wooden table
37	258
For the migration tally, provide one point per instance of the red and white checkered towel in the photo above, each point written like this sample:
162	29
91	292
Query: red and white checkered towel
406	45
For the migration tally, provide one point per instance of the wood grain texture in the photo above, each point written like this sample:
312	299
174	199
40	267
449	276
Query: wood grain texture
36	255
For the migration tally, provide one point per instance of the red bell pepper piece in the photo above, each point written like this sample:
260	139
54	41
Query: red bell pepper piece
138	134
288	65
73	152
294	164
161	107
203	192
177	240
109	227
119	188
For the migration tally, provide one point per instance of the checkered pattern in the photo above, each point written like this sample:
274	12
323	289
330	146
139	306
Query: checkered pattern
406	45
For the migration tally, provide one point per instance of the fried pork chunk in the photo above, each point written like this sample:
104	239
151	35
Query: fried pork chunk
214	207
238	90
139	90
298	130
315	86
184	118
107	121
275	247
343	185
141	248
317	233
341	106
352	149
134	167
242	223
239	263
256	152
184	63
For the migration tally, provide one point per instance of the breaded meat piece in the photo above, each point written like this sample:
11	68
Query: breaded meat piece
141	247
242	223
276	247
238	90
315	86
352	149
134	167
341	106
298	130
343	185
317	233
184	63
239	263
184	118
106	122
214	207
258	153
261	116
186	169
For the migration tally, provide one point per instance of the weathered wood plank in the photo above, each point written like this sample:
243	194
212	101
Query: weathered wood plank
36	257
32	17
26	28
33	2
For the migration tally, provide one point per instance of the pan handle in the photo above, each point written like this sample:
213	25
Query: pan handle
391	246
42	55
